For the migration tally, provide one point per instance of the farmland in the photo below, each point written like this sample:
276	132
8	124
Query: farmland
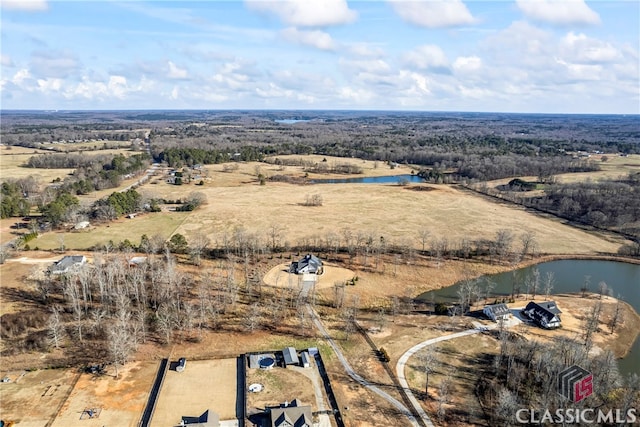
382	244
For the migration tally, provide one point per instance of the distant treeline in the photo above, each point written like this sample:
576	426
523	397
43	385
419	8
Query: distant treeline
188	156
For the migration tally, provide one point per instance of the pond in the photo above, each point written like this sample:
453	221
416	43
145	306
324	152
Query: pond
622	279
291	121
391	179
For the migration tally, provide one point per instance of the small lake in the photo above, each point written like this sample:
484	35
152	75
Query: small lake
569	276
291	121
391	179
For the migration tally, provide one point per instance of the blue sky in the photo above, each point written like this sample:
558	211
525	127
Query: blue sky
537	56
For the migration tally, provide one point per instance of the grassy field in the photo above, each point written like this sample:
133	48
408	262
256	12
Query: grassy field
163	224
13	159
615	167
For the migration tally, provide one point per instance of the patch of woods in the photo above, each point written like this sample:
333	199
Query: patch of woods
113	306
612	204
524	374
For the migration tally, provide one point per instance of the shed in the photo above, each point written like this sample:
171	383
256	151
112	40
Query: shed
290	356
304	359
182	363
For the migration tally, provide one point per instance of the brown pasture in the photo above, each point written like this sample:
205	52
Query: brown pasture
390	211
32	399
13	159
203	385
119	402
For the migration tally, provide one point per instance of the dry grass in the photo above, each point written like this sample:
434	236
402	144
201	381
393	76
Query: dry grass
32	398
13	159
615	167
203	385
150	224
121	401
395	212
280	385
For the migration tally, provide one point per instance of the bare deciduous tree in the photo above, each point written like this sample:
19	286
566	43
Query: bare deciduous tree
428	362
197	246
56	329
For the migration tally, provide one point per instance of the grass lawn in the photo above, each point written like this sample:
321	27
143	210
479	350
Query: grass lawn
150	224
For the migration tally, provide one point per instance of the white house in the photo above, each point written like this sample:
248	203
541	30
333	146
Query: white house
67	264
497	312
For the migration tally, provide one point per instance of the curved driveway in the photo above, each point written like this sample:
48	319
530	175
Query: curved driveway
399	406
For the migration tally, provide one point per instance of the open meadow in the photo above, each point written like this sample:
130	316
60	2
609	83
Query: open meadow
236	201
13	159
163	224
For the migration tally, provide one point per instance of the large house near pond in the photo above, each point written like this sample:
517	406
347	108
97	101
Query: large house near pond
309	264
544	314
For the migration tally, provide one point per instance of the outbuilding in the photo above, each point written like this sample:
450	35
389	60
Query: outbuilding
290	356
305	361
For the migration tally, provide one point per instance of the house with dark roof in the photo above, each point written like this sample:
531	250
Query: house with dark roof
497	312
309	264
291	415
68	264
544	314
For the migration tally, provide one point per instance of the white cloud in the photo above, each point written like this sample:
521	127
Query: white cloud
176	72
318	39
433	13
49	85
175	93
466	64
6	61
365	49
306	13
25	5
20	76
357	96
427	57
559	12
53	64
588	50
377	66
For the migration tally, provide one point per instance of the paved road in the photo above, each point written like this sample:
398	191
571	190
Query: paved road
399	406
413	350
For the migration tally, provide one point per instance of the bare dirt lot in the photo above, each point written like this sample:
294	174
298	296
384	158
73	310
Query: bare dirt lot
32	399
117	402
203	385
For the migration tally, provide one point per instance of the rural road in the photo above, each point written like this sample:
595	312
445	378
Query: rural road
399	406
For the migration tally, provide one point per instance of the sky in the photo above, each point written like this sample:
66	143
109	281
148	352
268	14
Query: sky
520	56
